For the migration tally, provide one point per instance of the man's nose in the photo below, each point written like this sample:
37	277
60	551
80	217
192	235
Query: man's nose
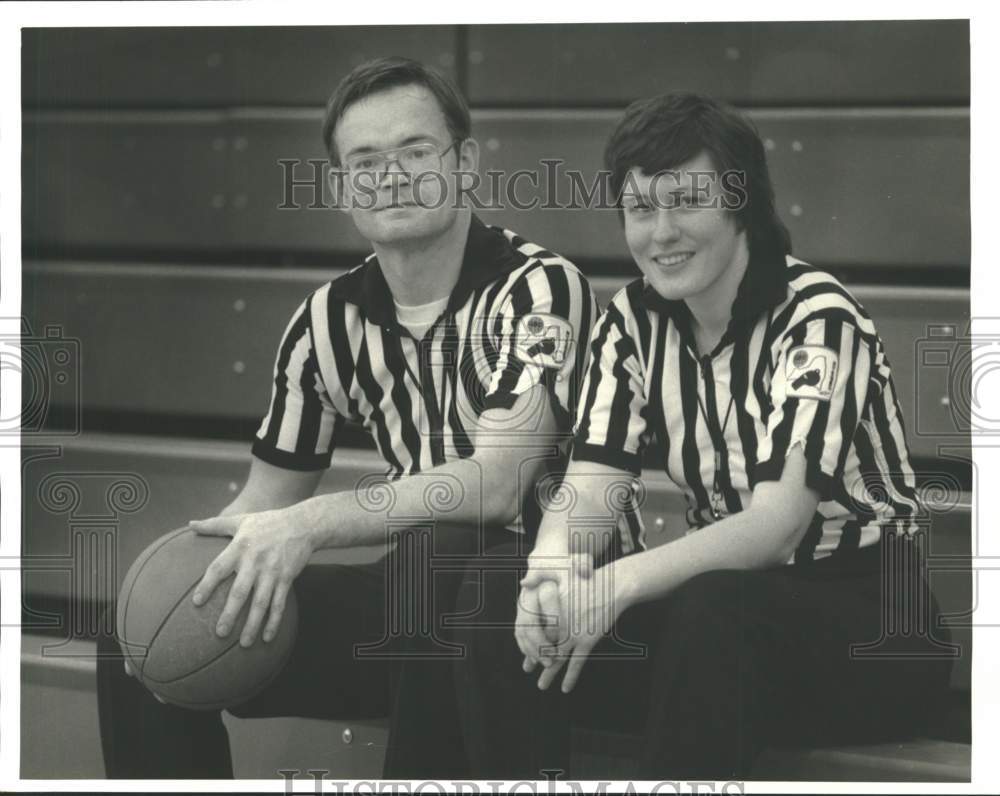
394	173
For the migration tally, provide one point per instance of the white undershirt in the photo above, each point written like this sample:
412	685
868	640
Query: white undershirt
419	318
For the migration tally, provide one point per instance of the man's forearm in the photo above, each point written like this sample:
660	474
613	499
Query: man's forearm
552	539
512	446
456	492
247	502
582	516
269	487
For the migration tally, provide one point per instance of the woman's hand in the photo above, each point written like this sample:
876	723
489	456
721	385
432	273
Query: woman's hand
538	607
590	607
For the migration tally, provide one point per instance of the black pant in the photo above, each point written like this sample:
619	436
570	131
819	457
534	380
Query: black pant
729	663
401	670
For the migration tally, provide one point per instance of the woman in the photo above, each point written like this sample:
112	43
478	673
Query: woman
768	391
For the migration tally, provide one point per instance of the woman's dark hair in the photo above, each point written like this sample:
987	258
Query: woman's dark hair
664	132
381	74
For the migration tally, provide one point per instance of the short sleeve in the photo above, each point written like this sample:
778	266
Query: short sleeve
611	420
819	388
543	326
300	426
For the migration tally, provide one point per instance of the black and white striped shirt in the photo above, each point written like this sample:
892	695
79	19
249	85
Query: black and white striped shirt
800	364
513	320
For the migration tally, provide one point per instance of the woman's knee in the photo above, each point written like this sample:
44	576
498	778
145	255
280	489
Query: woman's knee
712	611
708	596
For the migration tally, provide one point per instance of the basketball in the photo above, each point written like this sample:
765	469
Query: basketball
171	643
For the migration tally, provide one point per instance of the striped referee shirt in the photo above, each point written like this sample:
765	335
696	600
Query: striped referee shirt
512	321
800	364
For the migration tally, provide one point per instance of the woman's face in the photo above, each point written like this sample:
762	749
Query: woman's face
681	228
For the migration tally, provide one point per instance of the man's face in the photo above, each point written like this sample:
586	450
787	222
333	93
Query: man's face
679	232
397	207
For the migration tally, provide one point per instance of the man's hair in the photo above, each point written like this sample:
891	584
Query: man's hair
664	132
382	74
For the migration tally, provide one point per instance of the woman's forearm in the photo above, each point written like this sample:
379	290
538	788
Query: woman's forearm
748	540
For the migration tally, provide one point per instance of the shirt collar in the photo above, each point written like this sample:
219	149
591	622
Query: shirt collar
764	286
488	255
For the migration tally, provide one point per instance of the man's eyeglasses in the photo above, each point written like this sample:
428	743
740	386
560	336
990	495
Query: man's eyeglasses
371	167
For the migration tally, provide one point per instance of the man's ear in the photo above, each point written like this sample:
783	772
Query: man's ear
468	164
468	155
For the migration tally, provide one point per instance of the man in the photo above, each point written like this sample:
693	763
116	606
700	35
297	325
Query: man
453	345
768	390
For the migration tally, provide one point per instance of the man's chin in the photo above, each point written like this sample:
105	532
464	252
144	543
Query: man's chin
405	209
395	226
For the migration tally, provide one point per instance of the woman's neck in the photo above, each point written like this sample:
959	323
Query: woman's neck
712	309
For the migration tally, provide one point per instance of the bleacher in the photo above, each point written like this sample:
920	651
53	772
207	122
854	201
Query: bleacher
166	244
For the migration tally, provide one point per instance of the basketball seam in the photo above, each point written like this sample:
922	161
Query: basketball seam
206	663
128	602
249	694
257	689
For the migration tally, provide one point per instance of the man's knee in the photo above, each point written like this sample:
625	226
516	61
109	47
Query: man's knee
445	539
486	606
433	557
487	596
109	651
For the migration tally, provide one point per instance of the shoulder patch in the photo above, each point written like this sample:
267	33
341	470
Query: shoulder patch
811	372
544	340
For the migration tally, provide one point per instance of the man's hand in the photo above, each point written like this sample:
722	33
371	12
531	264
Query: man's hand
590	608
268	551
539	610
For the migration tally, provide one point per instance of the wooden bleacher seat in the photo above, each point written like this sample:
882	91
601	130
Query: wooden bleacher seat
212	181
763	64
178	480
183	479
243	312
766	63
211	66
261	747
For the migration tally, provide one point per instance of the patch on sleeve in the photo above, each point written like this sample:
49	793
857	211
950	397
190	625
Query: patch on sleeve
544	340
811	372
